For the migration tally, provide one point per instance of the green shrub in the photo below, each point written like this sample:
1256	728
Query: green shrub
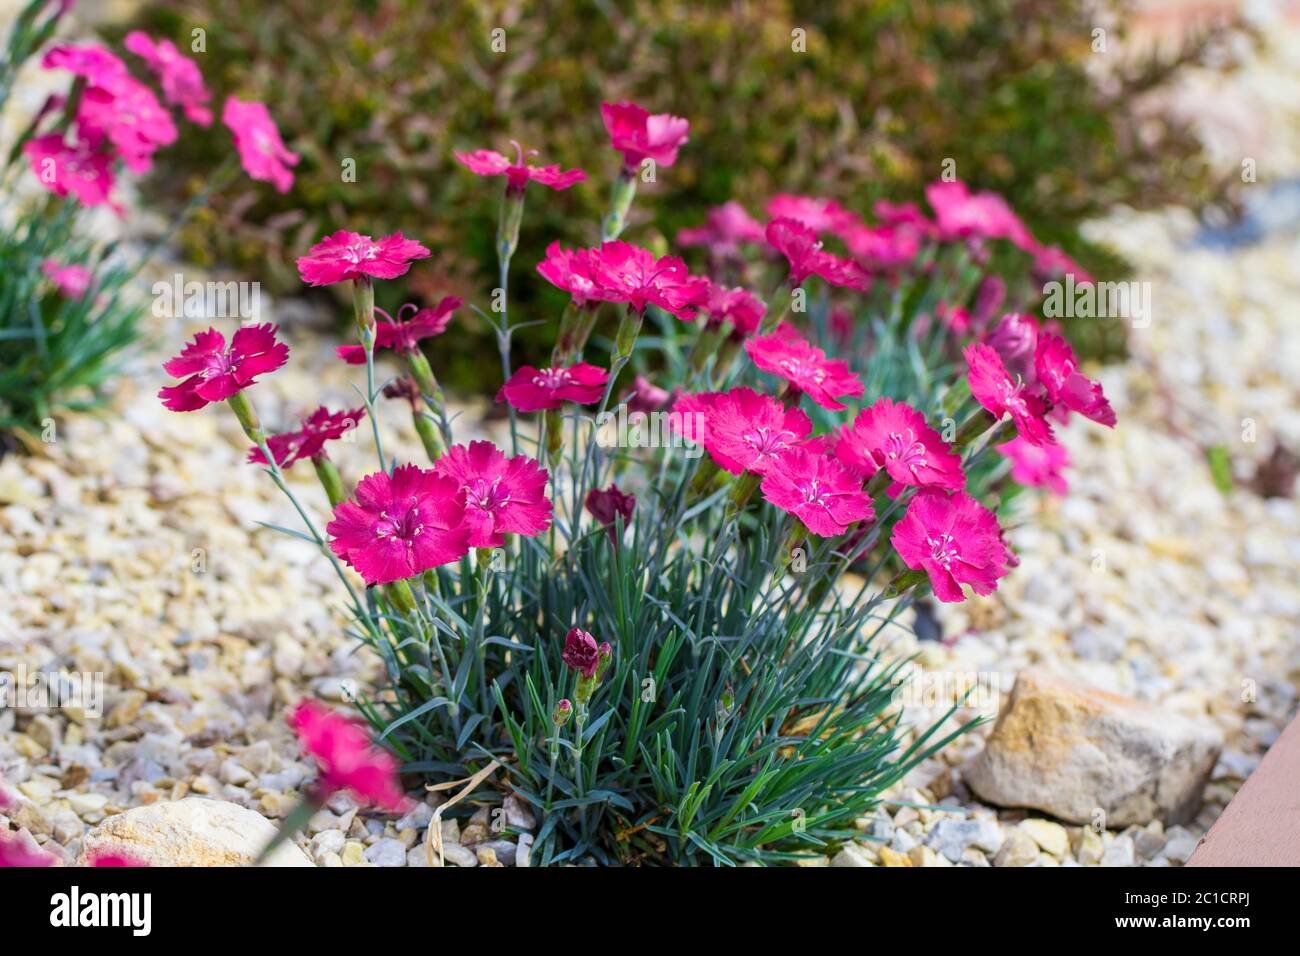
883	94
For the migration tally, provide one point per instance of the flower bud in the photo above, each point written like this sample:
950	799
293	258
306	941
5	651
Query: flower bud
563	711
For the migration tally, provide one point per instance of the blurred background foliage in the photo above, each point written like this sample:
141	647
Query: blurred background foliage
1012	90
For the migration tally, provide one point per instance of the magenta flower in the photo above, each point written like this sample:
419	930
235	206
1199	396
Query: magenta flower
179	76
740	307
725	229
811	212
990	295
962	214
817	490
955	540
640	135
1037	466
1058	372
308	442
630	274
1015	338
130	117
1052	261
215	371
894	436
346	255
502	495
488	162
109	859
907	214
744	430
400	525
404	334
97	65
955	318
14	852
882	247
644	396
993	387
581	652
80	169
803	250
570	270
261	151
533	390
347	758
72	281
786	354
609	504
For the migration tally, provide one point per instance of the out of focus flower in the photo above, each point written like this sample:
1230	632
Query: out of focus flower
130	117
1052	261
344	255
502	495
882	247
785	353
740	307
817	490
990	295
179	76
81	170
347	758
640	135
308	442
97	65
955	540
994	388
16	852
961	214
1015	338
803	250
954	317
812	212
609	504
404	333
1037	466
213	372
261	151
1058	372
72	281
644	396
109	859
488	162
726	228
534	390
400	525
894	436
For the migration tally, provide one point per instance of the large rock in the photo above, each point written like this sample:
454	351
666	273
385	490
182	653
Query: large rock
1070	750
190	832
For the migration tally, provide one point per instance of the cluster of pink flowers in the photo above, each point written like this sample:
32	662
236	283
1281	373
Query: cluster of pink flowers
618	271
119	119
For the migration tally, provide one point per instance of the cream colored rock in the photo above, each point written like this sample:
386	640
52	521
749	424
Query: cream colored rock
1071	750
190	832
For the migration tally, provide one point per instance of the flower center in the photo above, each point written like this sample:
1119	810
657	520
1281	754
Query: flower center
552	378
943	550
815	494
360	251
905	449
801	370
405	526
487	495
767	442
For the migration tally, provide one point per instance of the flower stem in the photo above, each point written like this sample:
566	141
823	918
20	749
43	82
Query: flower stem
330	479
620	203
